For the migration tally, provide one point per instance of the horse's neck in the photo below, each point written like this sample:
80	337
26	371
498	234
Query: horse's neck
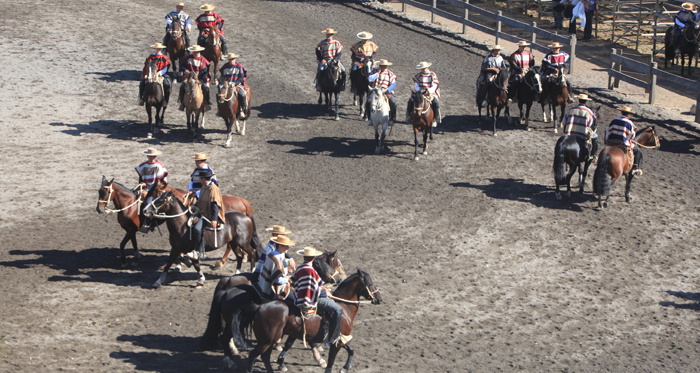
348	292
122	197
177	225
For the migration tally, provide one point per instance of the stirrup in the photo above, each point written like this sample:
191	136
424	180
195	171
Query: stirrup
342	340
637	172
194	255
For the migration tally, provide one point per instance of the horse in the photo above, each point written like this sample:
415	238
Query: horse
527	89
332	81
227	100
379	114
238	231
359	85
212	49
272	320
176	46
569	152
422	117
496	97
194	104
558	95
687	45
613	163
154	96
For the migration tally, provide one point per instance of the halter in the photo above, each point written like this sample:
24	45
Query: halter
109	199
368	301
163	216
535	75
656	141
228	86
383	101
194	84
418	109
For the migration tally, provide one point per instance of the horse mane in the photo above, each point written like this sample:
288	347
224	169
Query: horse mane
351	278
124	187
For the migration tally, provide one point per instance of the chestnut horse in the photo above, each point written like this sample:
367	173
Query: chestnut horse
272	320
154	96
613	163
193	99
212	49
496	96
422	117
558	96
176	46
227	100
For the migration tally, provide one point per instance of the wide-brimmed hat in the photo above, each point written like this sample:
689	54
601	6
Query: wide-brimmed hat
309	251
423	65
152	151
523	43
180	4
230	56
282	240
158	45
626	109
278	229
329	31
207	7
496	47
583	97
200	156
384	62
196	48
687	5
364	35
556	44
207	174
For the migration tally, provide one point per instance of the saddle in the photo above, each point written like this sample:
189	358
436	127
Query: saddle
628	151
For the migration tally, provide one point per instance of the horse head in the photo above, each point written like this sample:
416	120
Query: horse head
533	78
152	75
337	266
376	99
648	137
176	28
161	204
324	270
597	118
213	36
105	194
226	92
370	290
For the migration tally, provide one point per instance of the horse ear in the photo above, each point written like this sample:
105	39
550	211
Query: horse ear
111	181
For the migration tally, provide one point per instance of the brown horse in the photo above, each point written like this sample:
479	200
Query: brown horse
274	319
496	96
155	96
558	96
422	117
238	231
613	163
227	100
193	99
176	46
212	49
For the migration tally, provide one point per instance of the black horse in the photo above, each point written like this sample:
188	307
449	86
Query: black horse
687	45
332	81
527	91
155	95
494	92
359	86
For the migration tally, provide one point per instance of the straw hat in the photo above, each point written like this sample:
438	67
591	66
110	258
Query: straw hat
282	240
626	109
423	65
195	48
278	229
152	151
158	45
523	43
180	4
207	7
583	97
364	35
496	47
329	31
200	156
556	44
230	56
687	6
384	62
309	251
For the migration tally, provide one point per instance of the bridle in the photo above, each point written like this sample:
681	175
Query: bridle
230	88
656	141
109	199
370	297
536	86
424	103
377	94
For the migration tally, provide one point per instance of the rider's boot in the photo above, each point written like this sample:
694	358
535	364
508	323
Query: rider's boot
142	86
571	92
207	100
438	117
409	109
594	149
224	48
242	105
187	40
318	80
179	97
392	113
165	38
676	41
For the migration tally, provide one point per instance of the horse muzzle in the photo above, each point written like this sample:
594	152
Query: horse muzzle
376	301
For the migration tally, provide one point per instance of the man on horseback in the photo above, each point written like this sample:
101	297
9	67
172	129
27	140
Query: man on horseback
234	72
520	62
579	122
621	132
383	78
201	168
310	294
490	67
149	172
426	80
271	246
210	19
553	61
178	15
162	64
363	51
328	49
210	205
683	19
274	272
195	63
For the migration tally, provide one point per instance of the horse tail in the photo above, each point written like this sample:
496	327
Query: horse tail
210	339
601	179
242	317
255	242
559	167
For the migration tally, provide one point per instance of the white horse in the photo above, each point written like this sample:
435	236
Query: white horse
379	115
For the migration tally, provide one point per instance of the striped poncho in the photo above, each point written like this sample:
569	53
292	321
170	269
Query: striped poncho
307	285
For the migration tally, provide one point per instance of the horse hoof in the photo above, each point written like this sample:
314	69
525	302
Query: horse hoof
177	268
628	199
495	134
149	136
156	286
376	151
416	158
279	348
322	363
337	117
227	145
555	130
425	153
605	204
343	370
283	369
529	129
558	196
124	264
320	349
243	133
199	285
229	364
216	266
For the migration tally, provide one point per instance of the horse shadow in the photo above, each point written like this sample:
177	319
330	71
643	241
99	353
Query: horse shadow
283	110
172	354
518	190
694	297
340	147
127	130
118	76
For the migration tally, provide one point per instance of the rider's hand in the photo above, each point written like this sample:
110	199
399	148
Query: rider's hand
214	223
323	61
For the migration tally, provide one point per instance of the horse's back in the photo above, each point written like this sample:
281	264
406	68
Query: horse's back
233	203
235	280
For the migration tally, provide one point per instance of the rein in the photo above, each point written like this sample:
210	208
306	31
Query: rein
356	301
109	199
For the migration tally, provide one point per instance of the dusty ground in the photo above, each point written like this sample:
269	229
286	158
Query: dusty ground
480	268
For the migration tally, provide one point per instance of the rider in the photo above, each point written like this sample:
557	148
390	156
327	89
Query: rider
201	166
210	206
178	15
556	59
622	131
579	122
386	80
149	172
364	50
196	63
274	272
309	294
162	65
490	67
327	49
271	246
233	71
520	62
683	19
428	81
210	19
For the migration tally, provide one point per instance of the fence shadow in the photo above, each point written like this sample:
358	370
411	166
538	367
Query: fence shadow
693	297
171	354
132	130
118	76
343	147
517	190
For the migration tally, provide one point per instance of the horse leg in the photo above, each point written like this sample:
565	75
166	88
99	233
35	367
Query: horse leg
221	263
495	118
229	131
260	348
362	105
128	236
150	120
522	115
332	353
561	116
425	139
628	184
527	116
382	145
320	98
553	115
479	113
583	175
242	126
337	116
348	363
171	259
376	138
137	254
198	268
569	175
544	113
415	141
506	112
283	355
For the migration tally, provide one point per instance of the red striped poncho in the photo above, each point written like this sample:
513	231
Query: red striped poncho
307	285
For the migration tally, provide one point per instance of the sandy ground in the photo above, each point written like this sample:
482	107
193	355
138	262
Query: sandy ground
480	268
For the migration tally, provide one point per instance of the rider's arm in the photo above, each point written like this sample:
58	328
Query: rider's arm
391	87
191	185
373	76
214	211
678	22
319	55
163	71
168	20
220	22
337	55
188	24
416	87
203	73
433	88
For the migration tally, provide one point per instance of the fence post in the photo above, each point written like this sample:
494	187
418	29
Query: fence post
533	39
403	7
652	83
572	57
611	86
498	26
697	104
466	17
432	11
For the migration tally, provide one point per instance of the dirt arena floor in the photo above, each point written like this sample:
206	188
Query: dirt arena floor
479	267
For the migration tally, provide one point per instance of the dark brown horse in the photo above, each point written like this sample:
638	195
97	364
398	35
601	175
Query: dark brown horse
155	96
274	319
496	96
238	231
687	45
176	46
359	85
613	163
422	117
558	96
332	82
227	100
212	49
